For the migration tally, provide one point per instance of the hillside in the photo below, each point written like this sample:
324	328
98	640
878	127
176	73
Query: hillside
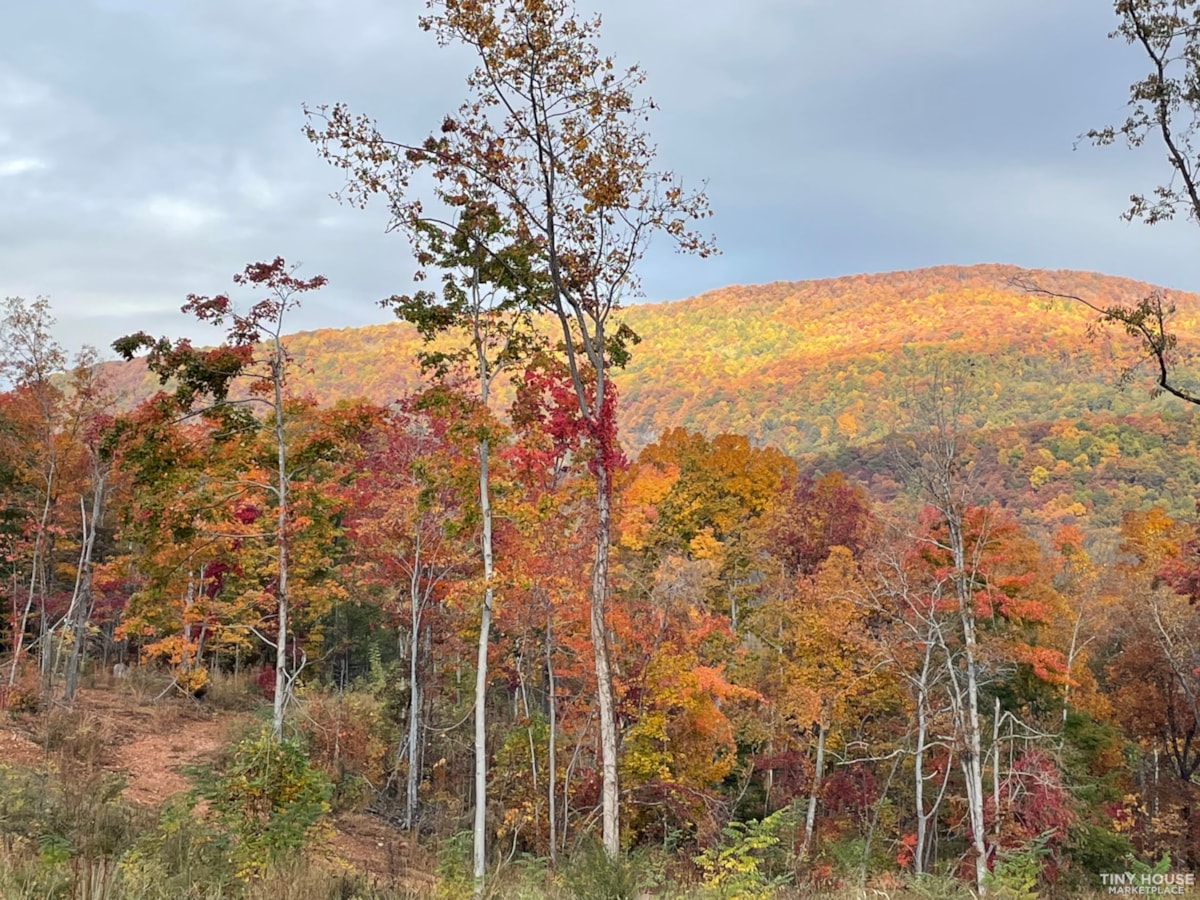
822	369
804	365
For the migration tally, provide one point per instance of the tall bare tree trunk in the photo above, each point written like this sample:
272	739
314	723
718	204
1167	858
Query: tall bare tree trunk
282	682
481	670
923	816
35	565
972	759
553	747
83	602
414	694
810	818
609	793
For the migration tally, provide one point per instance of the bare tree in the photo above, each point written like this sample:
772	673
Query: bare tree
918	623
938	462
90	400
29	356
1164	109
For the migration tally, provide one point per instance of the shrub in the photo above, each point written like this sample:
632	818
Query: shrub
347	736
593	875
178	857
268	797
735	867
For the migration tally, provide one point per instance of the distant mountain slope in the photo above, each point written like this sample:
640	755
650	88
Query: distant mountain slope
825	369
808	364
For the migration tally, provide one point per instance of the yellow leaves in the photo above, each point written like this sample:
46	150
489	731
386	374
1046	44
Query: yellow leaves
847	425
705	546
646	755
175	650
650	485
684	484
684	736
820	648
1038	477
192	680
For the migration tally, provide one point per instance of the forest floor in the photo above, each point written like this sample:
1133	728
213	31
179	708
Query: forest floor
151	740
123	728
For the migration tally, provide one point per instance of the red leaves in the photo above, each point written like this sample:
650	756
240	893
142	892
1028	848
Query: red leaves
209	375
247	514
546	411
1035	805
207	309
278	277
822	514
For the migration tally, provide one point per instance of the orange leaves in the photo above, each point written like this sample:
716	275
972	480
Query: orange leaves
685	485
1152	539
1048	665
683	735
649	486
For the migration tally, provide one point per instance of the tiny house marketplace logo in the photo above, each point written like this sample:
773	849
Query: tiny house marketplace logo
1153	883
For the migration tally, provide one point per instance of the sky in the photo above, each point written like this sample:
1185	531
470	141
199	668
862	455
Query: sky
152	148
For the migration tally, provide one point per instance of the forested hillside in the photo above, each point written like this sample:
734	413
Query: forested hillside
811	364
807	365
875	586
825	371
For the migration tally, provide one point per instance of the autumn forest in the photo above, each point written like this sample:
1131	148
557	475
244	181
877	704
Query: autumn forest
883	585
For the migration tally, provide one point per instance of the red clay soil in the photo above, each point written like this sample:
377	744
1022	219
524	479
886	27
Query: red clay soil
151	744
16	748
114	730
153	763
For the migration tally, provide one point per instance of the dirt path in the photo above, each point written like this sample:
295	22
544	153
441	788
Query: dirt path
113	732
153	763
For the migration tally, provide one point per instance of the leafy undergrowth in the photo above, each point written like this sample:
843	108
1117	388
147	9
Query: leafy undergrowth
109	799
133	793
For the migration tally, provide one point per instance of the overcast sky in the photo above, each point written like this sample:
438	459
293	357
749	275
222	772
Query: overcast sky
150	148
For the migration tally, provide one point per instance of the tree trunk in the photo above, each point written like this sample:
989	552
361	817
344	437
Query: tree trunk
282	684
552	749
609	796
810	818
919	763
35	564
972	760
414	695
84	611
479	853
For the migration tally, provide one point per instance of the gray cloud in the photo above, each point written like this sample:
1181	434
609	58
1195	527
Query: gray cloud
151	148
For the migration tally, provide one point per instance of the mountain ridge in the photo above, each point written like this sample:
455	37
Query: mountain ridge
843	345
825	370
